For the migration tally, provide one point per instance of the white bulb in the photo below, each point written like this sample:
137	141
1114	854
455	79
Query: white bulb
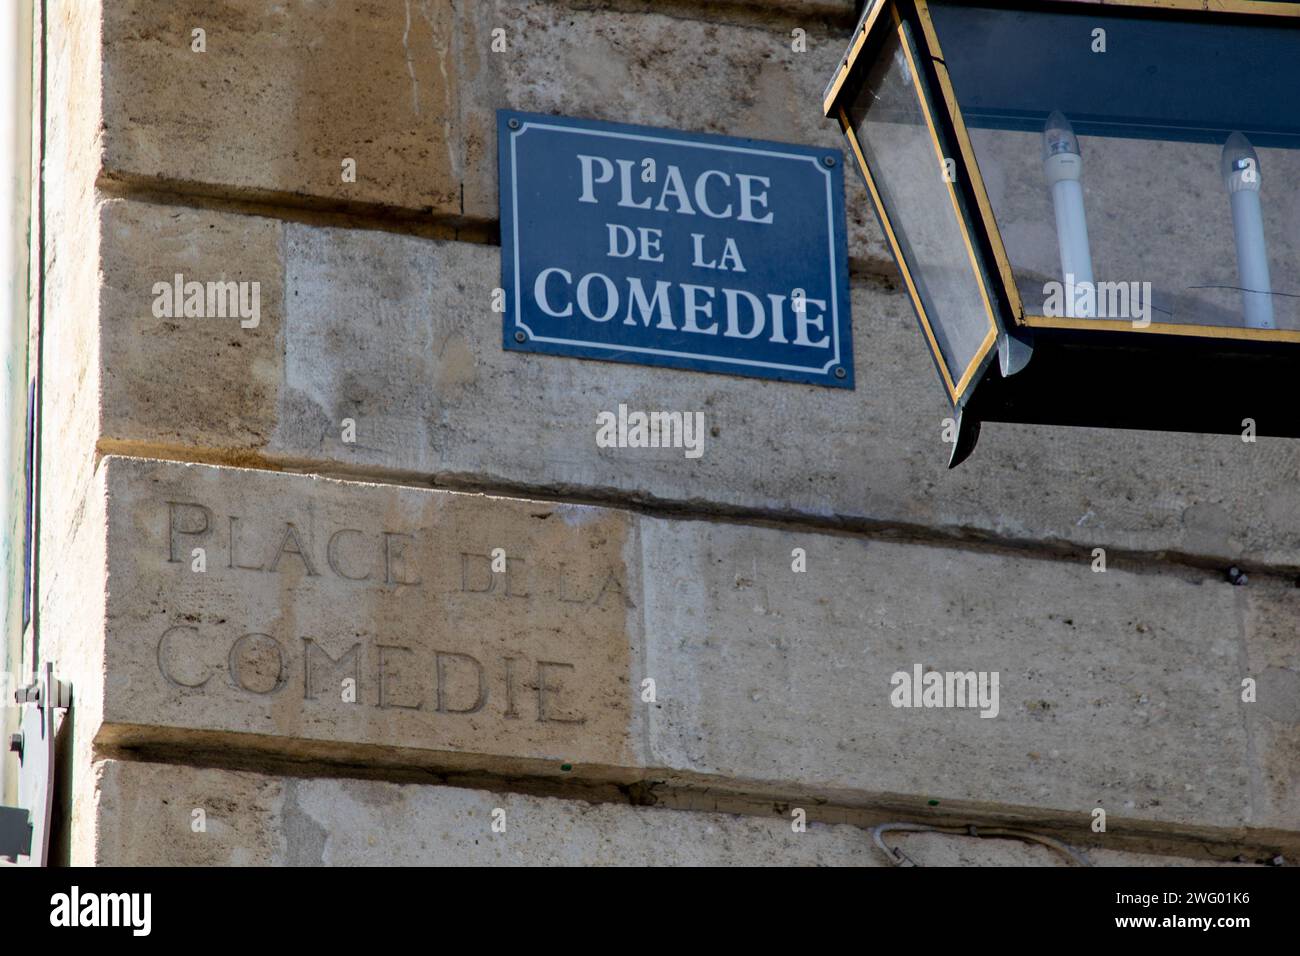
1240	168
1058	136
1240	164
1063	168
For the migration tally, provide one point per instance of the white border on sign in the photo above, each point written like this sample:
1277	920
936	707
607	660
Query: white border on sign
830	228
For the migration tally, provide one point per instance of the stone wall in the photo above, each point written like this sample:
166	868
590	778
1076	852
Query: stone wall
347	680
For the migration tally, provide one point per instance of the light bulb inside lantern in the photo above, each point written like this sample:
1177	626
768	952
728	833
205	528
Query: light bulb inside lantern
1240	163
1058	136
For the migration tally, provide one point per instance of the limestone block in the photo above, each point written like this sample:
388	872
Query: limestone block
281	95
326	616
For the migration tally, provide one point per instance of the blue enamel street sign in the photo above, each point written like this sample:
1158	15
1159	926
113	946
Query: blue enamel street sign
632	244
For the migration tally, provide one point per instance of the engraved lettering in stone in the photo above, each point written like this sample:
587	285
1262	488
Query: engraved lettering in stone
291	534
513	565
237	658
544	689
257	664
613	585
476	570
331	555
349	553
394	548
234	548
440	666
308	644
511	712
384	702
162	667
173	528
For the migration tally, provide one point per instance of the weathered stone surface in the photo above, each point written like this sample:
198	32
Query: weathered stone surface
72	618
339	614
397	334
173	376
1116	690
282	95
1271	661
68	530
410	91
255	819
146	817
69	413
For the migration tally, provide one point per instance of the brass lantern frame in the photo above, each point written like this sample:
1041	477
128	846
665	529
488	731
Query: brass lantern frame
957	386
1015	332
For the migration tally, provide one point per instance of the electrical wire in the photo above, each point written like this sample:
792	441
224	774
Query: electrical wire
899	858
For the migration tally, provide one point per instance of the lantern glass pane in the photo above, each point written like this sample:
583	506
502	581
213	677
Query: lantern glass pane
1151	157
890	116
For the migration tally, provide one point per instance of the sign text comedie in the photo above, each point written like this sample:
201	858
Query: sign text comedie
657	247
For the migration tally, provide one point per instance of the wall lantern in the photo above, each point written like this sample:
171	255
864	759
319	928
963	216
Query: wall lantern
1104	196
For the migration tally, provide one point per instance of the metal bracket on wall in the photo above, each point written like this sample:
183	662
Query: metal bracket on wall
25	829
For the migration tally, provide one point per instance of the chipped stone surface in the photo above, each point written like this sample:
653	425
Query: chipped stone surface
146	818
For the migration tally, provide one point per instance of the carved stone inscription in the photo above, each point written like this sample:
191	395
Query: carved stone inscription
297	607
459	683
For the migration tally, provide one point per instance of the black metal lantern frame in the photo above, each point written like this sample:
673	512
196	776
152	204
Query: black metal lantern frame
1186	77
